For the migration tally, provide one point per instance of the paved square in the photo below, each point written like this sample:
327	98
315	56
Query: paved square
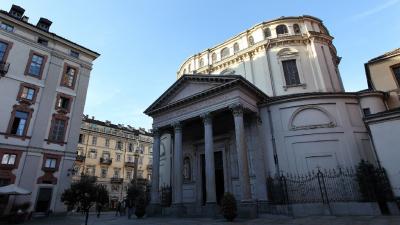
110	219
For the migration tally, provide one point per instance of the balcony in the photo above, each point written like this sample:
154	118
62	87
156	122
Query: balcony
80	158
4	68
116	180
129	164
105	161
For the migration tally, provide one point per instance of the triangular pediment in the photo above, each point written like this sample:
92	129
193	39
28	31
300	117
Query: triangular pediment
194	86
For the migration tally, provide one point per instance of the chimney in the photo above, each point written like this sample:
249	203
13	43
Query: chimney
16	11
25	19
44	24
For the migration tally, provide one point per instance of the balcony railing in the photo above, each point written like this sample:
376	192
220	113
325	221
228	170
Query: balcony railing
105	161
4	68
80	158
116	180
130	164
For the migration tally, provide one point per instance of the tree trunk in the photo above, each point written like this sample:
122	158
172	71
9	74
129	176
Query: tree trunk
87	217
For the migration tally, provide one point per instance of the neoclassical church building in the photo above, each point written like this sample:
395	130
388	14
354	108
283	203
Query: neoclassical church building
268	100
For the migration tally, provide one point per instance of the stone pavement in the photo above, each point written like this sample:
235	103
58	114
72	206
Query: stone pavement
110	219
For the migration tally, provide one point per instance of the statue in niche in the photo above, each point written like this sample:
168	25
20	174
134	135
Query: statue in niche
186	169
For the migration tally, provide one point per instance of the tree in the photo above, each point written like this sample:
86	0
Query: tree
140	206
229	209
82	193
101	198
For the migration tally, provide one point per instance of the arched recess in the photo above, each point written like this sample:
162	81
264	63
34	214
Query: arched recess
311	117
287	52
228	71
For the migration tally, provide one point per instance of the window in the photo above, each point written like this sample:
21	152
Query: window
69	76
190	68
118	157
106	155
184	71
8	159
104	171
57	130
214	57
107	143
201	62
366	111
20	123
90	170
236	47
42	41
6	27
117	172
130	148
396	72
267	32
140	173
63	102
81	138
224	53
130	159
27	92
50	163
3	51
93	153
35	65
281	29
129	174
94	140
290	72
74	54
140	160
119	145
251	41
296	28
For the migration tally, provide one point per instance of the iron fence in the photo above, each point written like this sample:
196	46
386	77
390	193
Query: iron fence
325	186
166	196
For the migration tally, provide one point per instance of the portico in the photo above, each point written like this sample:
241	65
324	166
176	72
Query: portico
210	119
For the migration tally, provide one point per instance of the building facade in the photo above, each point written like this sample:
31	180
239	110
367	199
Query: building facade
115	154
43	84
268	101
383	74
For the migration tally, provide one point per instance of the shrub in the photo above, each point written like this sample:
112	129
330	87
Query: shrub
140	206
229	209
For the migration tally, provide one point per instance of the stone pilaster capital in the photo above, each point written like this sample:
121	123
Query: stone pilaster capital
207	118
177	126
237	109
155	131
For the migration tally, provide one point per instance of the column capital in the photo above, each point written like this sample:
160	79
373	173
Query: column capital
177	126
155	131
237	109
207	118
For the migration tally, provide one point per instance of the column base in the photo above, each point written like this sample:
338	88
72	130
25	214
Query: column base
210	209
247	209
178	210
154	209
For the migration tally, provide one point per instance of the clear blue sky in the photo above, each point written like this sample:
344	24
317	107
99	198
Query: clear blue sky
143	42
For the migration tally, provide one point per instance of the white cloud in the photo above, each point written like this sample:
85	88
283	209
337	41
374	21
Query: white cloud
376	9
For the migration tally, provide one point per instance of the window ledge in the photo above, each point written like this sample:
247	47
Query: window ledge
8	166
285	87
55	142
47	169
7	135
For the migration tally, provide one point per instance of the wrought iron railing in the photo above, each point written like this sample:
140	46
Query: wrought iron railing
324	186
166	196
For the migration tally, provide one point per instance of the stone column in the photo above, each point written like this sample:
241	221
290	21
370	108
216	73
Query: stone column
209	159
241	152
155	198
177	162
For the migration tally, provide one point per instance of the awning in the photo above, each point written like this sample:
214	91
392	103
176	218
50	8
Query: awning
13	189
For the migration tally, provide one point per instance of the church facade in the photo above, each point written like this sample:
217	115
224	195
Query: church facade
269	100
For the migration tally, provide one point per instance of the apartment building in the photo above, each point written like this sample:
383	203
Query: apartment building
43	83
115	154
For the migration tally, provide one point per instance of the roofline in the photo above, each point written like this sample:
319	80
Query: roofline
5	15
383	57
383	116
112	125
149	111
251	28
